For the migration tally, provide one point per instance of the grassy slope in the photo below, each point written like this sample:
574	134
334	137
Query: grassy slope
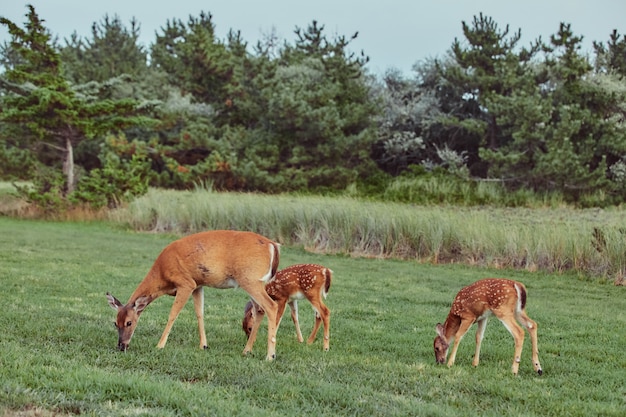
57	340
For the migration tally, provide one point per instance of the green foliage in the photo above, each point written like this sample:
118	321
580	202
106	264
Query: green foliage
35	86
46	191
194	59
306	116
490	65
111	51
119	180
546	127
612	56
15	163
583	136
57	116
319	113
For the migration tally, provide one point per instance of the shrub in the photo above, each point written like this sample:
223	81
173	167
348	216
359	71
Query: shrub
117	181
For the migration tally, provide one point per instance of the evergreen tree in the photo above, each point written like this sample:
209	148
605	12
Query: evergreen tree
317	125
612	56
111	51
559	132
584	138
489	65
485	70
194	59
56	118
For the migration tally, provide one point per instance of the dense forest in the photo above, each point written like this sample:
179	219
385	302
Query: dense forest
99	119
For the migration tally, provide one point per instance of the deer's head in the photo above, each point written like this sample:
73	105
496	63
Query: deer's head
441	345
127	318
247	319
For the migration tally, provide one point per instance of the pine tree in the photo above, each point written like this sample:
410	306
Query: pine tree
612	57
112	50
319	112
194	59
584	137
56	117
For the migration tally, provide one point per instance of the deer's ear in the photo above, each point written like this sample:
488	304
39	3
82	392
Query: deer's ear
141	303
439	329
114	302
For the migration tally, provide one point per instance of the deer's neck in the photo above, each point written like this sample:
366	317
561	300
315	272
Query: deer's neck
152	286
451	326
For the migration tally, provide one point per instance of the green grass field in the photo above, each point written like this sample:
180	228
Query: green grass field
58	356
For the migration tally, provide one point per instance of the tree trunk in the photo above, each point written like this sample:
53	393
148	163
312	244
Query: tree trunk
68	167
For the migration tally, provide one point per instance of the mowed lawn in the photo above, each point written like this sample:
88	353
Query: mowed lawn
58	356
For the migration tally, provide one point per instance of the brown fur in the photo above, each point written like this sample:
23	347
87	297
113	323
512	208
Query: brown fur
219	259
295	282
506	299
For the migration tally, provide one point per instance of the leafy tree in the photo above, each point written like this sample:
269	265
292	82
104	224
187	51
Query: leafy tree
55	116
423	122
400	124
479	74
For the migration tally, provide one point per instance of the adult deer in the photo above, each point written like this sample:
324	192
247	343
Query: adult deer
219	259
504	298
291	284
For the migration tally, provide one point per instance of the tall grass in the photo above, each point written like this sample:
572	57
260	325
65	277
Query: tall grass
448	189
553	240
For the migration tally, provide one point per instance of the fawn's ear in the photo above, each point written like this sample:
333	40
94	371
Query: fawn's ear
439	329
141	303
114	302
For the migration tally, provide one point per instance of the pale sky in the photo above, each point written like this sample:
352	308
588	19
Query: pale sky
393	33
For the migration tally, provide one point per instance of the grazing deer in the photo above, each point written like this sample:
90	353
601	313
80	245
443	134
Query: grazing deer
219	259
290	285
504	298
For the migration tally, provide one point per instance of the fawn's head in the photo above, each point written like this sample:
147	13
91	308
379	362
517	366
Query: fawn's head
441	345
247	319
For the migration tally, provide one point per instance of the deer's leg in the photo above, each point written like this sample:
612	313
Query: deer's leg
326	319
198	305
270	308
256	289
182	295
293	306
322	314
463	328
316	326
480	333
318	310
518	335
531	326
280	310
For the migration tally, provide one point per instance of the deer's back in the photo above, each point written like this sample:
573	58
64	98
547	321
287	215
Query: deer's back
218	258
486	295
